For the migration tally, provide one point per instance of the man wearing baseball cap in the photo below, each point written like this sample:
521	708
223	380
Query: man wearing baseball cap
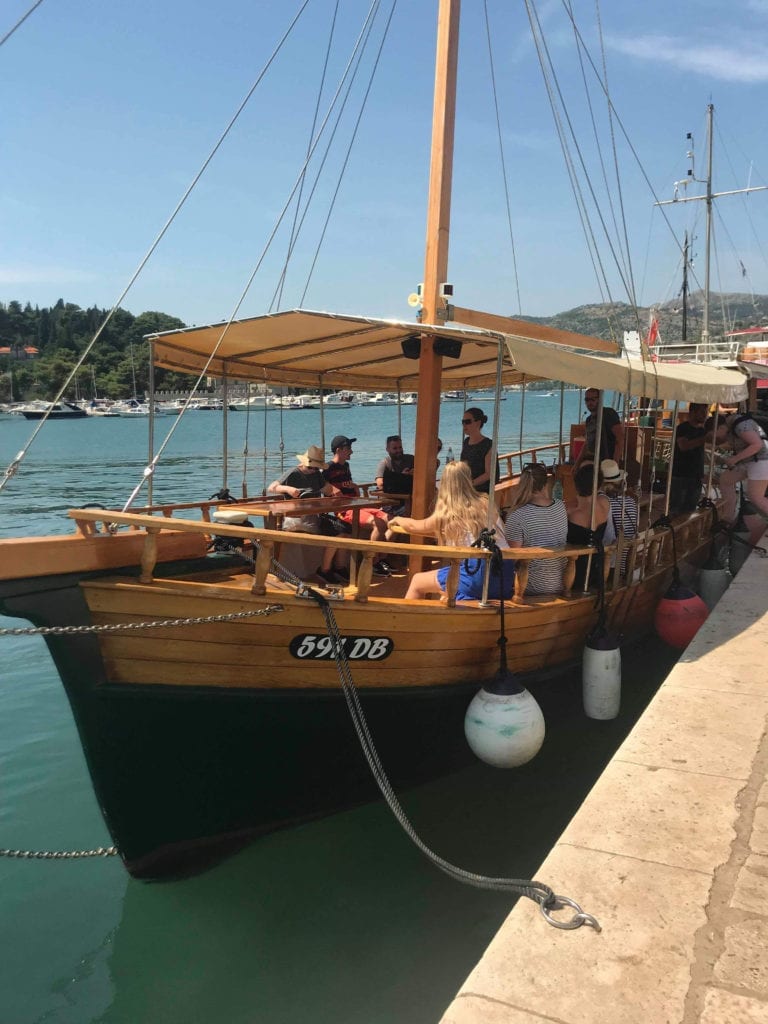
339	476
303	479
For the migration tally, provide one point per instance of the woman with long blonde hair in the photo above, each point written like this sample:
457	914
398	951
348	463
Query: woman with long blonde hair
461	514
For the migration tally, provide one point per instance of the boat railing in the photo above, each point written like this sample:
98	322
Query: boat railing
646	554
525	455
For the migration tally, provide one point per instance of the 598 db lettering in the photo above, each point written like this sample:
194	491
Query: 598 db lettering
320	647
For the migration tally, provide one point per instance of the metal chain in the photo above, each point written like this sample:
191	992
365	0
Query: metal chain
128	626
540	893
100	851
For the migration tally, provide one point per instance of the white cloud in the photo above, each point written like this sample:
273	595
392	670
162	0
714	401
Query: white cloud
729	63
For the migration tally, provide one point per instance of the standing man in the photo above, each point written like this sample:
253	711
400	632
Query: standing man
688	460
611	437
612	434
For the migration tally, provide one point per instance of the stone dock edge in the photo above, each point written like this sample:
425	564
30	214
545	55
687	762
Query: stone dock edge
669	852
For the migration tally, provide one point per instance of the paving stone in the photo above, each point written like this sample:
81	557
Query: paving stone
683	730
751	890
743	962
636	971
471	1009
726	1008
670	817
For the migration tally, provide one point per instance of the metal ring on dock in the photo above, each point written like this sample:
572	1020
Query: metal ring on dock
578	919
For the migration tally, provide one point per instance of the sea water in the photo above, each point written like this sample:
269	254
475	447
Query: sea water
339	921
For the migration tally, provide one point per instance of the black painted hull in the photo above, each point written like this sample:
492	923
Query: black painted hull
185	776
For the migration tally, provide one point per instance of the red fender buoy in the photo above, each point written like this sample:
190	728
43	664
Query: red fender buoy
679	614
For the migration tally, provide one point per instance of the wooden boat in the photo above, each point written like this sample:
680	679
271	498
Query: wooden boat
210	708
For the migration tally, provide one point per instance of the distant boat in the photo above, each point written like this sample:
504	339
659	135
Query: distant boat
55	411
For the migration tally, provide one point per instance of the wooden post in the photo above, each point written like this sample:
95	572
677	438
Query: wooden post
149	556
436	258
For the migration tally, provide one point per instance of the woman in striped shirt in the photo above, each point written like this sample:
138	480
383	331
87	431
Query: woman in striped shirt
537	520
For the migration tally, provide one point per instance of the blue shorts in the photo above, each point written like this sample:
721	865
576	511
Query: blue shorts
471	582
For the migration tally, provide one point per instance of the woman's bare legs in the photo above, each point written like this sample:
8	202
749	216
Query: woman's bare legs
756	495
422	584
729	478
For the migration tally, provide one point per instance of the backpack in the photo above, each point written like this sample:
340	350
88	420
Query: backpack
761	421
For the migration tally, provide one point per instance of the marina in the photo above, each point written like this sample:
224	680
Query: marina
290	728
114	949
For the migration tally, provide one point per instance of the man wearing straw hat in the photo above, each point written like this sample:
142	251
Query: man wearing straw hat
306	480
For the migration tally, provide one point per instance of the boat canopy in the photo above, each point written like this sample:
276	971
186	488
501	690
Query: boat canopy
303	348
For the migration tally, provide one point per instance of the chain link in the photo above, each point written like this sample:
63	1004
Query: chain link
127	627
112	851
100	851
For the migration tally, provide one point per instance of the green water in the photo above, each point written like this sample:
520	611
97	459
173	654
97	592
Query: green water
340	921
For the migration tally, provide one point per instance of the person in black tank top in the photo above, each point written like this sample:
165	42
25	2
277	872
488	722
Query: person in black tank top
476	449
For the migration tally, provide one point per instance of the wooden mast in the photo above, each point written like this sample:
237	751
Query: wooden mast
436	259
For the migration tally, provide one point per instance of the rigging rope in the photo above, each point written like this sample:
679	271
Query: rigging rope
349	151
20	22
358	51
540	893
278	295
149	470
547	900
501	156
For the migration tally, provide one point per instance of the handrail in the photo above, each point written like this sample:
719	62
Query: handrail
649	550
560	447
266	541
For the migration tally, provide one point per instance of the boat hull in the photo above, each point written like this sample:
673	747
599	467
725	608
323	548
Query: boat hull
199	738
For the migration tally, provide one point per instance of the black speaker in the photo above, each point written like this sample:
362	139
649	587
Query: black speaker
450	347
411	346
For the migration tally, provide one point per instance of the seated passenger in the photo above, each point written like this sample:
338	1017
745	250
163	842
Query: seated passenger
308	476
536	520
624	515
338	474
580	529
394	474
461	514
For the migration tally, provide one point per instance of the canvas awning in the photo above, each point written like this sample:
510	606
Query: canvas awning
301	348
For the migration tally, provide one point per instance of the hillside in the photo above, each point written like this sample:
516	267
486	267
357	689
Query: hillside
39	346
605	320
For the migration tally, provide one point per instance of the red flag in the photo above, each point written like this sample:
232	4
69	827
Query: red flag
653	332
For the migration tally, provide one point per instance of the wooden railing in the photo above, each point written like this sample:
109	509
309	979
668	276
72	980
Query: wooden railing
649	552
530	455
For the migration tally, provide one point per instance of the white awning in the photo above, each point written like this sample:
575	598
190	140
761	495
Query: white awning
301	348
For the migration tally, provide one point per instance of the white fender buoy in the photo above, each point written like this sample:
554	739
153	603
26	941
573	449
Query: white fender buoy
504	729
714	580
601	677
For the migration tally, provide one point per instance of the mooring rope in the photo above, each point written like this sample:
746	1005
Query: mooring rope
541	894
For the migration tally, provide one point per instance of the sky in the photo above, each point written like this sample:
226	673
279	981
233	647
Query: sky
110	111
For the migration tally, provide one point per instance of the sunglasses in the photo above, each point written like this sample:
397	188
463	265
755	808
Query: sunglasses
467	422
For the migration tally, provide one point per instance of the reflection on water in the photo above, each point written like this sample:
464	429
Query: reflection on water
341	921
102	460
